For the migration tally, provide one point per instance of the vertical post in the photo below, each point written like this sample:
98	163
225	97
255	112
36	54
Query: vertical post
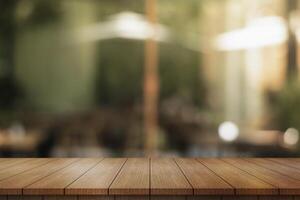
151	83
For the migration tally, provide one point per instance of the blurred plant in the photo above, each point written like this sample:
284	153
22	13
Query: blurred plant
10	93
31	13
285	106
9	88
120	73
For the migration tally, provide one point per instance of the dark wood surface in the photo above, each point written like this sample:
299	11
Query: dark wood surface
139	178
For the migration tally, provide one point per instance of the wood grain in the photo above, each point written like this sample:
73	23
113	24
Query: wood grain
167	178
5	163
18	168
58	181
133	178
244	183
15	184
155	179
105	171
203	180
280	168
287	161
285	184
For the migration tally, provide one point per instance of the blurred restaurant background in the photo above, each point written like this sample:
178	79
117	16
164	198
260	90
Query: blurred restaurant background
207	78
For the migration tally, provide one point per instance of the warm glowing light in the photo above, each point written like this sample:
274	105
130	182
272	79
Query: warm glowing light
291	136
265	31
228	131
127	25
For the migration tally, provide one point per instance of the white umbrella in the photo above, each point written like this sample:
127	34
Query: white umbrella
128	25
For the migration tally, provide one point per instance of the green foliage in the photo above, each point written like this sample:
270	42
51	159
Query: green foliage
179	73
120	72
46	12
285	106
37	13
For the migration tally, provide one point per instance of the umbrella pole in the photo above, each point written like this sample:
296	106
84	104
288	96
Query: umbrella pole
151	85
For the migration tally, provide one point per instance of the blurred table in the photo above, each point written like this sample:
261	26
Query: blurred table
27	142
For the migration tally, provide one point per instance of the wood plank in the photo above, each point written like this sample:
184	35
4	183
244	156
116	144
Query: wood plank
133	179
286	161
15	184
137	178
167	178
55	183
244	183
12	161
285	184
105	171
18	168
203	180
280	168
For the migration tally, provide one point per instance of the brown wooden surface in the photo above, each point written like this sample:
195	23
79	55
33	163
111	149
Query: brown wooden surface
276	198
133	179
22	167
280	168
93	197
287	184
15	184
203	180
106	171
57	182
140	178
132	197
5	163
240	198
167	178
28	197
243	182
137	197
287	161
210	197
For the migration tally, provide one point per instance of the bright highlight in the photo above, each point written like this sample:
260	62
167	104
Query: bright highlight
228	131
291	136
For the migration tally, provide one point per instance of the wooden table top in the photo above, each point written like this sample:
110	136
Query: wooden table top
155	176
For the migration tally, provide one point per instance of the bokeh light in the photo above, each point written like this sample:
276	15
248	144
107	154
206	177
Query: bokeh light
291	136
228	131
